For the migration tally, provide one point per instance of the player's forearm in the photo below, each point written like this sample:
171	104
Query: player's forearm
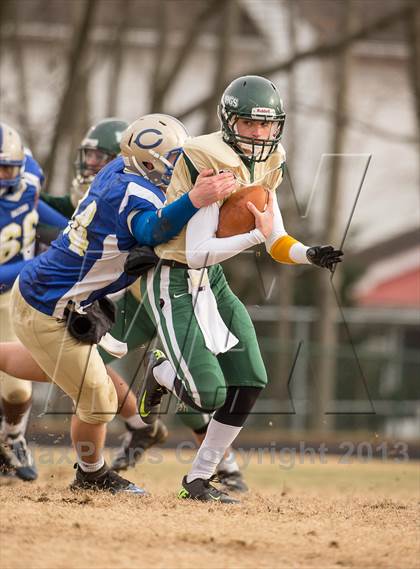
204	249
286	249
282	247
214	250
155	227
49	216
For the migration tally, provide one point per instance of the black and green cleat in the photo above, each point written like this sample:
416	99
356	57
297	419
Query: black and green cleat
104	480
136	442
151	392
201	490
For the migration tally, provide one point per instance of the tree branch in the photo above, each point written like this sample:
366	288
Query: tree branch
76	56
324	50
412	26
191	35
352	123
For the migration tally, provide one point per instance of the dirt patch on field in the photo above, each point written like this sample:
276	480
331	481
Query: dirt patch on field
293	519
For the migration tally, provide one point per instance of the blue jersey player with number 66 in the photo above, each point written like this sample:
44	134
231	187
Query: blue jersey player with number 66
21	179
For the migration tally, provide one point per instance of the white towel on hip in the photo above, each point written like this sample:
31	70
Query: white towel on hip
217	336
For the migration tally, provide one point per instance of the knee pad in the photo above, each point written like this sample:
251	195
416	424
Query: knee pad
237	406
13	390
98	402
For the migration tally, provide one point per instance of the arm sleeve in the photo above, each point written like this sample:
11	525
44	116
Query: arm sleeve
204	249
49	216
282	247
158	226
9	272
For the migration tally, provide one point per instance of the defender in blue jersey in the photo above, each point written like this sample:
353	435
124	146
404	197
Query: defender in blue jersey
99	146
86	263
21	179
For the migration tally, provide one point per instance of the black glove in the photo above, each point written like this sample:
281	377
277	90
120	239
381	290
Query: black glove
140	259
91	326
324	256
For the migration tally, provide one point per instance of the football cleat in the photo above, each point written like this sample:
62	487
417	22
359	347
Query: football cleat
16	458
6	461
201	489
136	441
232	481
104	480
151	392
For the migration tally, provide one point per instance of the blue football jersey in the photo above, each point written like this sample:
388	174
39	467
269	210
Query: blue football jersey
18	215
86	261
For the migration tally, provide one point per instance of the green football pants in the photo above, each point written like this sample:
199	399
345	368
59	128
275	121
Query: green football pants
205	376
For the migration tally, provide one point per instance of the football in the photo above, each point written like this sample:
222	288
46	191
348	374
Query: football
234	216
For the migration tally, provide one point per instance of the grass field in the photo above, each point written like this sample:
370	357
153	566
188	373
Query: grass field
310	515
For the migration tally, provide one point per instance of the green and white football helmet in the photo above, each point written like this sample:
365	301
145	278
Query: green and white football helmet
253	98
100	145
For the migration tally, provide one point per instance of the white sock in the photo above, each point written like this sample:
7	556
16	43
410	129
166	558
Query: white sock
136	422
165	375
91	466
7	429
218	438
228	463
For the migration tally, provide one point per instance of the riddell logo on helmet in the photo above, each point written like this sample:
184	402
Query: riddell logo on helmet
92	142
262	111
231	100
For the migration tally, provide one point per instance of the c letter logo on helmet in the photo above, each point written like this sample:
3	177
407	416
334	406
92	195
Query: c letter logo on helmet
147	131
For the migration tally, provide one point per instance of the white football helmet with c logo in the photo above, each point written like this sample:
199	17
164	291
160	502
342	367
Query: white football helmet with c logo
12	156
151	146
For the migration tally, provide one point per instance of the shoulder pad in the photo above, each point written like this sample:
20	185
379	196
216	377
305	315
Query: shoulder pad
214	147
277	158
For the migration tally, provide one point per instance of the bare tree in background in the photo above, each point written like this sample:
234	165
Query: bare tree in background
328	49
412	26
79	124
284	273
116	50
22	94
77	58
326	329
162	29
227	32
208	10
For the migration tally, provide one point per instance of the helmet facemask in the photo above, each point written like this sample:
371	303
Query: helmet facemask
253	149
159	169
10	184
12	157
85	171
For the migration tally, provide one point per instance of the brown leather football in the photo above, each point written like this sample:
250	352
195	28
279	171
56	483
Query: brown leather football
234	216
